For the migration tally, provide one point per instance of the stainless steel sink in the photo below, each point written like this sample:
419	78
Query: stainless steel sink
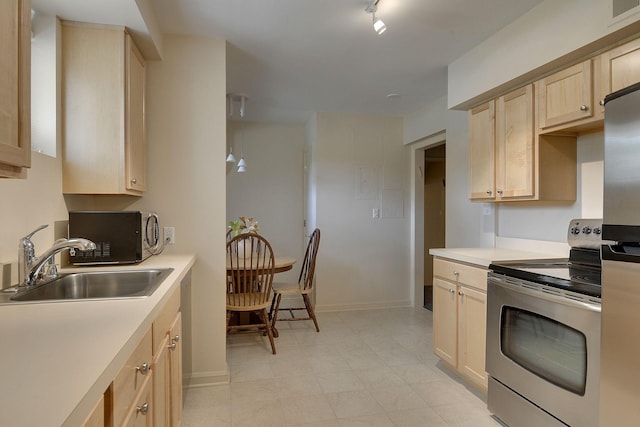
97	285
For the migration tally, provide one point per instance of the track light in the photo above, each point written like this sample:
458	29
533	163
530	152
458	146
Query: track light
378	25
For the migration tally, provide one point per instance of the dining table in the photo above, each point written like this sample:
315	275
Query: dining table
281	264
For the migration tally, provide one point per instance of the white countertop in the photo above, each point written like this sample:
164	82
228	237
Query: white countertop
485	256
59	357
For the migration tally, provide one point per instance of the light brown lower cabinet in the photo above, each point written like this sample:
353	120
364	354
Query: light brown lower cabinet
147	391
459	318
167	364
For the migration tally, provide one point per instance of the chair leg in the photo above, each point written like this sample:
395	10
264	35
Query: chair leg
274	317
312	314
228	320
265	319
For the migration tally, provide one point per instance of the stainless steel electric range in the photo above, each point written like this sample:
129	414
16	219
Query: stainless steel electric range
543	335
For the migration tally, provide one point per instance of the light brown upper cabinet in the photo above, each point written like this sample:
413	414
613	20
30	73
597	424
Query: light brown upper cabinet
482	152
515	145
526	166
570	98
15	88
104	137
621	66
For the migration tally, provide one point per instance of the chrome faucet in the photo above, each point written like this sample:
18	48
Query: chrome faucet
30	266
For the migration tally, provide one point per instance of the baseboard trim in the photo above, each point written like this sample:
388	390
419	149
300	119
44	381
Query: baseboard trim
365	306
206	379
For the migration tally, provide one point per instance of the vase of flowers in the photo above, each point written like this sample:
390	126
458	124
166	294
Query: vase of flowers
243	225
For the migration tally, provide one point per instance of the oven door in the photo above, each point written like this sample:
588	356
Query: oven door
545	347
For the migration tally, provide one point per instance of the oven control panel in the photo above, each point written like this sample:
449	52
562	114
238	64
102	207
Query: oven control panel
585	233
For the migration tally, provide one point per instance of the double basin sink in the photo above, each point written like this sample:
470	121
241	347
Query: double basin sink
96	285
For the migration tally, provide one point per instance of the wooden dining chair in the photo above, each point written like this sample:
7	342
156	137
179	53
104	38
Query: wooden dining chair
304	287
250	270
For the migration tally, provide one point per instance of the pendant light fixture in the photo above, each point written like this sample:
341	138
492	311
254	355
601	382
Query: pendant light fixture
242	98
378	25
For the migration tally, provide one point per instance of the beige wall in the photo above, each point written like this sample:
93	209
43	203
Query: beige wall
271	190
186	134
362	262
28	203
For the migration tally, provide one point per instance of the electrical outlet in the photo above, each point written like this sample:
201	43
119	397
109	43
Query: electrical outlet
169	235
375	213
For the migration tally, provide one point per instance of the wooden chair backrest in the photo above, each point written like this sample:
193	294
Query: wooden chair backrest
251	268
307	270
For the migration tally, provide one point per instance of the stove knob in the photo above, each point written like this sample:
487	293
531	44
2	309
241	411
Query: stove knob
575	230
597	230
586	230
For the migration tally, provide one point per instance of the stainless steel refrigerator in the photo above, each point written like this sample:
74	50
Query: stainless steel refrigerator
620	352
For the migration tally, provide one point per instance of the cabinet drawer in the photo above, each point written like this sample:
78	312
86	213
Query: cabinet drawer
461	273
163	322
140	413
131	379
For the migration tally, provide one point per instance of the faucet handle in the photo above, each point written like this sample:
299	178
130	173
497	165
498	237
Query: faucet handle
28	236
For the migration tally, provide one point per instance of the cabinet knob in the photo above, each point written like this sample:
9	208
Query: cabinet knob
143	369
460	293
176	338
172	346
489	192
452	291
134	181
499	192
455	273
584	108
601	102
143	409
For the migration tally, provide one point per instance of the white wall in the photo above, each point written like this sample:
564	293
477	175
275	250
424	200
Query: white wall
362	262
549	31
45	83
272	188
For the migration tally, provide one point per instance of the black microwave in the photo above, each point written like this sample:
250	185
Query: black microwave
121	237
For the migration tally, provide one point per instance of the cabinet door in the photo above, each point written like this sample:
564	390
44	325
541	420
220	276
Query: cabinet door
621	66
175	361
445	320
472	333
15	87
515	144
135	139
566	96
482	152
161	385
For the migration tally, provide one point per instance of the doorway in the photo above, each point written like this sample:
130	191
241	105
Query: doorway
434	212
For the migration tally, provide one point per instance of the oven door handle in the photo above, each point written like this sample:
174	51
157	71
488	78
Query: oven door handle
545	295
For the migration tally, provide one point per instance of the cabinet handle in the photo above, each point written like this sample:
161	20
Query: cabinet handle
143	369
134	181
143	409
489	192
584	108
172	346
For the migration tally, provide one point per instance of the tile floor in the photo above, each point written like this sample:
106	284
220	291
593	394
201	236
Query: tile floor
364	368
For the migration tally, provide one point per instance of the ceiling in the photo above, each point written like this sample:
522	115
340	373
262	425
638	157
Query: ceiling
296	57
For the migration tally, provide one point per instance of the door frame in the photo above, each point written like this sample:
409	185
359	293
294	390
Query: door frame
416	233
